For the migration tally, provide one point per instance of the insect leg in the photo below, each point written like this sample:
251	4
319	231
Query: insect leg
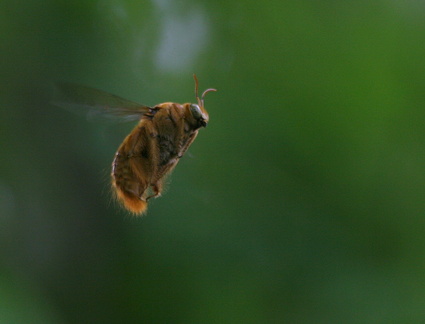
156	189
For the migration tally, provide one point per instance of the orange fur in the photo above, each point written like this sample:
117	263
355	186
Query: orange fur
133	203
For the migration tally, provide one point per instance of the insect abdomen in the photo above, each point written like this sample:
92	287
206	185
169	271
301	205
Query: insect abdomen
133	167
126	188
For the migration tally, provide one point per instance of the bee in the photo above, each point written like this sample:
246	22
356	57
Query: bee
152	149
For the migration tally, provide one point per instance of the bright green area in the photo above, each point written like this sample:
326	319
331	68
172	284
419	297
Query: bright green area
303	201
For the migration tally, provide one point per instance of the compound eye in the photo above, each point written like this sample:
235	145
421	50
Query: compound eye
196	111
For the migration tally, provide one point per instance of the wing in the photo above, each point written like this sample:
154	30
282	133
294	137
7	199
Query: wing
97	103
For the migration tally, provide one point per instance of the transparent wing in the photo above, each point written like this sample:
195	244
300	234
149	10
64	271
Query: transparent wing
96	104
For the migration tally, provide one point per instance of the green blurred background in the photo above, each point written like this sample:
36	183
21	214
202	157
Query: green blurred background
302	202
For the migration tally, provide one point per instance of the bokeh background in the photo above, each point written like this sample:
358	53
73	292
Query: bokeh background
303	201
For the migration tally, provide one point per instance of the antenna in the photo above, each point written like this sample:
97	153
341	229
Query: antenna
200	100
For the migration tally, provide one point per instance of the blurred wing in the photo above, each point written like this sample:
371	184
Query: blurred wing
96	104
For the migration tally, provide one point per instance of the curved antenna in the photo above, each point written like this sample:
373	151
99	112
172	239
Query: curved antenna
200	100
